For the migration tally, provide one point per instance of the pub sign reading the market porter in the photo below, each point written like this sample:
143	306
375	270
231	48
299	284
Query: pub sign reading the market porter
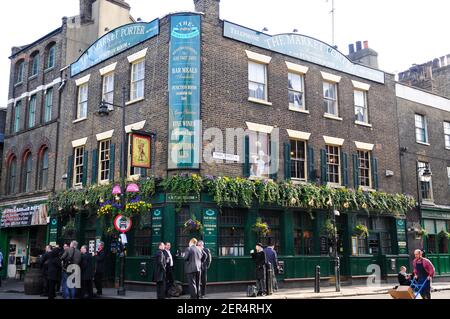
184	92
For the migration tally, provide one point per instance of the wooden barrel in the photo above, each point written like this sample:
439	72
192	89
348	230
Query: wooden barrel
33	282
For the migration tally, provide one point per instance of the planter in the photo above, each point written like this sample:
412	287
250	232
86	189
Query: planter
33	282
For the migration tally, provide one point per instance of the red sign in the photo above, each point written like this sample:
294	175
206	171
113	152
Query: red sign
122	224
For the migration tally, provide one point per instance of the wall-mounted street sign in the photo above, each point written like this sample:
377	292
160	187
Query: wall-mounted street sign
115	42
303	48
122	224
226	157
141	151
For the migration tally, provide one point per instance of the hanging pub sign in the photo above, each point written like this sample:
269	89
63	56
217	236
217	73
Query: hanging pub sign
24	215
115	42
184	92
141	151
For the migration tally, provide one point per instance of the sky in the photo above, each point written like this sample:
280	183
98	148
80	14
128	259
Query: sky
403	32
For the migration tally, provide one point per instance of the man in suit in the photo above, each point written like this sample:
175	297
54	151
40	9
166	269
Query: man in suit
159	273
169	268
272	258
54	271
260	260
99	268
206	263
193	267
43	262
87	273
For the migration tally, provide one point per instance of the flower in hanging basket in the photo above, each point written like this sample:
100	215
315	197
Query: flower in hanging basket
261	227
420	232
193	225
106	208
346	205
444	234
361	231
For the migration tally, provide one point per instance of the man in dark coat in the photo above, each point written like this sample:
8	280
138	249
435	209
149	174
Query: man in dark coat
259	257
53	273
206	263
159	273
43	263
193	267
169	268
272	258
87	273
99	268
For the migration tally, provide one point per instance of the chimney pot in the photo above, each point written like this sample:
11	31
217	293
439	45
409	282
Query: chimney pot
351	48
366	44
358	46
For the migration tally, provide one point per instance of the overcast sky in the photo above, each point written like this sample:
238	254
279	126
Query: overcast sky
402	31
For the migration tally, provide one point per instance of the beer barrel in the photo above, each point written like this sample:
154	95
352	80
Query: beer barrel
33	282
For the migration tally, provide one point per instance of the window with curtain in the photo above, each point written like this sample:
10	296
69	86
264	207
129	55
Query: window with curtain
257	80
32	112
43	168
330	98
361	113
48	105
298	160
103	160
12	175
137	80
364	168
296	91
231	232
421	129
82	104
78	164
272	218
303	234
108	88
334	164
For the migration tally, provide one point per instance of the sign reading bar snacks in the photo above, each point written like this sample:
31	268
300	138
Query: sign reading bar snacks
114	42
184	92
141	151
22	216
302	47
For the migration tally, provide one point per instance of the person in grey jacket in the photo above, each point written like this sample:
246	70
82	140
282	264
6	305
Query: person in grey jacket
206	263
193	267
71	256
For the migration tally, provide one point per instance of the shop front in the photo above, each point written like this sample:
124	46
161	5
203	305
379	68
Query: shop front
23	236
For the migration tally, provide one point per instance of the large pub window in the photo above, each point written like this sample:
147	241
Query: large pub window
272	218
231	232
182	238
303	234
362	241
430	227
89	229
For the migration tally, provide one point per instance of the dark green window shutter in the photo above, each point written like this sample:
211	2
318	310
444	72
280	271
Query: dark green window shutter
112	158
344	169
274	156
311	171
287	161
375	172
355	171
85	167
143	172
69	172
247	156
94	175
323	166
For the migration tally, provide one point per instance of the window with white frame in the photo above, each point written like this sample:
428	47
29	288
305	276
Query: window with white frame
108	88
48	105
364	168
259	155
447	134
257	80
330	102
296	91
78	163
298	160
425	182
361	112
103	160
137	80
82	104
32	112
334	164
421	129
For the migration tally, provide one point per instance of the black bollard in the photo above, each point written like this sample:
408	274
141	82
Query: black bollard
317	280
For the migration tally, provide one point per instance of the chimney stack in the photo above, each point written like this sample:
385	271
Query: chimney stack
363	54
86	10
351	48
358	46
211	9
366	44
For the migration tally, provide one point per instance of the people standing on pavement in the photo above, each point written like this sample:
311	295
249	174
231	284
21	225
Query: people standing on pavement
72	256
206	263
423	273
159	273
43	264
53	272
100	257
193	267
62	278
87	273
404	279
272	260
169	268
1	266
259	257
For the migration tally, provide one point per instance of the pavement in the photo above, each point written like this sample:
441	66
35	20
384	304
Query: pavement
13	289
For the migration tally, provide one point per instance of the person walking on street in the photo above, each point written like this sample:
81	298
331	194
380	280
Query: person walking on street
72	256
259	257
99	268
169	268
272	260
404	279
87	273
53	272
43	264
193	267
159	273
423	272
1	266
206	263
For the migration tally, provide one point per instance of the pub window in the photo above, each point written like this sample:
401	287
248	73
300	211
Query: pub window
143	241
380	240
257	80
12	175
43	168
362	241
182	237
259	155
364	168
82	104
103	161
78	164
303	234
298	160
421	129
441	226
231	232
48	105
89	232
108	88
32	112
273	221
330	98
296	91
333	164
137	80
361	112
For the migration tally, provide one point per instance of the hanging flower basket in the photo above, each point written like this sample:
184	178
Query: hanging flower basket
361	231
193	225
136	206
261	228
69	229
444	234
328	229
420	232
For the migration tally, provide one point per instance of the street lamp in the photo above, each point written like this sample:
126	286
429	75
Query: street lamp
337	271
104	111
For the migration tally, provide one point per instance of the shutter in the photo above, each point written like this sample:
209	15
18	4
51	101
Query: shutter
94	175
247	156
355	171
85	167
69	172
287	161
323	166
274	156
311	171
143	172
375	172
112	158
344	169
